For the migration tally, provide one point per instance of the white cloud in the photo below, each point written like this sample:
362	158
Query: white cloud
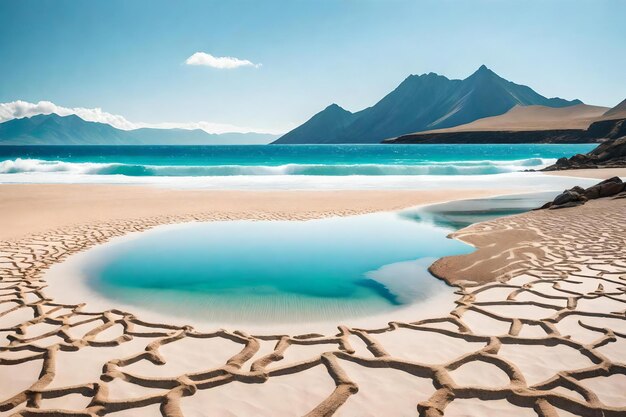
18	109
220	62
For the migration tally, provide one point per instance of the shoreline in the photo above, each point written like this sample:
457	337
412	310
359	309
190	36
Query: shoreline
32	208
67	285
27	209
596	173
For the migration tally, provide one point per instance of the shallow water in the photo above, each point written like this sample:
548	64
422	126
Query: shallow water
290	271
460	214
278	271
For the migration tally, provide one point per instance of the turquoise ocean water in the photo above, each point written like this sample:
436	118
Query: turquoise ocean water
310	160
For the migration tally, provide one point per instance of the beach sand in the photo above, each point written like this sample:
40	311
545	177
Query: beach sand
544	335
599	173
34	208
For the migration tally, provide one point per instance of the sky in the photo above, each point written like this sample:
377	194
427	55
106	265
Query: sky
270	65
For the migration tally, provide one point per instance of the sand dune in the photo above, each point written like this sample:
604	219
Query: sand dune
617	112
522	118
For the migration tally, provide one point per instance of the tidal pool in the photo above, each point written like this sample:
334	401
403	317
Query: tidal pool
274	271
289	271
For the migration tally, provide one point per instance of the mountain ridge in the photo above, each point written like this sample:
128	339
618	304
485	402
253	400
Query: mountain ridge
53	129
423	102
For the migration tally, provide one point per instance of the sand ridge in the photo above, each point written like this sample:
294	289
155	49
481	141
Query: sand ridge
565	300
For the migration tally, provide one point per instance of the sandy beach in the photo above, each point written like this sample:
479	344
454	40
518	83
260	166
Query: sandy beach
35	208
599	174
543	335
312	208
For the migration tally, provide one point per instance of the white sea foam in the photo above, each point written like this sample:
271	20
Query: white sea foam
515	182
426	175
483	167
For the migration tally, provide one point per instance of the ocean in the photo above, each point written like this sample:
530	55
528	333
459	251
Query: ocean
275	166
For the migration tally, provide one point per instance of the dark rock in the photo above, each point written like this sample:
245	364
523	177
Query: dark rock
610	149
611	188
592	192
578	158
609	154
566	197
545	206
610	180
566	205
605	188
608	128
577	196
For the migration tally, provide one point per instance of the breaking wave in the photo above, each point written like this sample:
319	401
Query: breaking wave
19	165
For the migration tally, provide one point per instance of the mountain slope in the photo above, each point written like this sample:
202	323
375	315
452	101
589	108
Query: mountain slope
330	122
523	118
617	112
52	129
424	102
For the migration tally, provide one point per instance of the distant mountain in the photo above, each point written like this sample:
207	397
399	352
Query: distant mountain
421	102
52	129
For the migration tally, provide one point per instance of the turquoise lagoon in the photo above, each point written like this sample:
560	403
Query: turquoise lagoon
290	271
275	271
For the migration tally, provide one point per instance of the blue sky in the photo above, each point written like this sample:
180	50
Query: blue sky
128	57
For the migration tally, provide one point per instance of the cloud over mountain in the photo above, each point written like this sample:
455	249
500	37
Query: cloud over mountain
19	108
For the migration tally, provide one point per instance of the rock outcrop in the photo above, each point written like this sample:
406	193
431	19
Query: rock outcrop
609	154
577	196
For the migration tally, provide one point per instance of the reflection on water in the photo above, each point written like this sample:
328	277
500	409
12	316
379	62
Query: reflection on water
459	214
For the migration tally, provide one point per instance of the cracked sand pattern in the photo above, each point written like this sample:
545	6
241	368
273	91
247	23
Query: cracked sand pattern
546	337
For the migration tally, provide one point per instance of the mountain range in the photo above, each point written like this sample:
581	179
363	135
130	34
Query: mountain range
52	129
419	103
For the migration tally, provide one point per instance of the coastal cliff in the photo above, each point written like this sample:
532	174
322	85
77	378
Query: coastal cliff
596	132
